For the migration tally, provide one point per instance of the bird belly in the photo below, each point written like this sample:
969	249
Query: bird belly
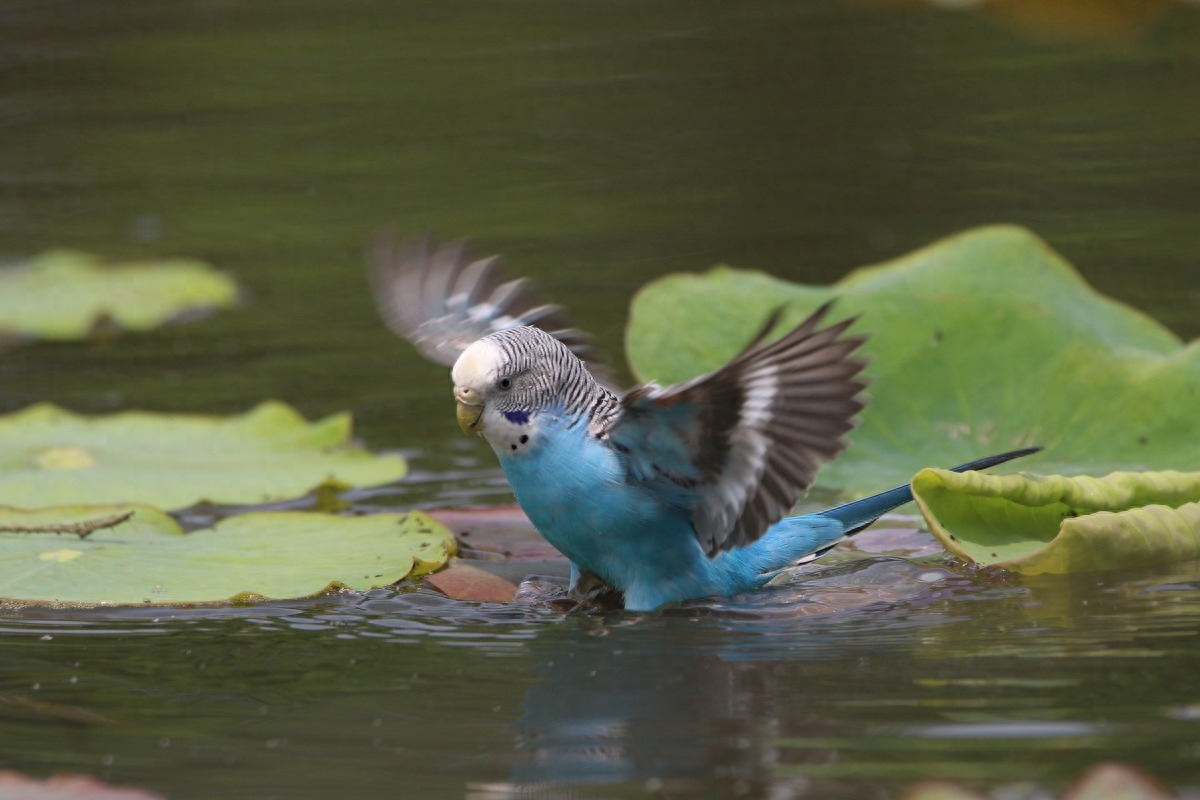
573	489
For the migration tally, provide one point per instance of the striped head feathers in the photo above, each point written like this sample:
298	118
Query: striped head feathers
514	374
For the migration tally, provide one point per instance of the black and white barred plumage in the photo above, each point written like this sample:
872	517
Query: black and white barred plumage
540	366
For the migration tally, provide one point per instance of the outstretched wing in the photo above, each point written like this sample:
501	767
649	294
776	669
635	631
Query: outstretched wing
740	445
443	299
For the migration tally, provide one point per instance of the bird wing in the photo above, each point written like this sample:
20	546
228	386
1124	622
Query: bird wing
740	445
442	299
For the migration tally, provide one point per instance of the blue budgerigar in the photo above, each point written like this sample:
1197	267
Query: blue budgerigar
663	493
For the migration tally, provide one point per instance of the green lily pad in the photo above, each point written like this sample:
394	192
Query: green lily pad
50	457
1054	524
940	790
149	560
983	342
64	295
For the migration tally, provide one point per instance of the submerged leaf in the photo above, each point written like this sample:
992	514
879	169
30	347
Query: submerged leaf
149	560
461	581
49	456
58	711
983	342
1053	524
65	295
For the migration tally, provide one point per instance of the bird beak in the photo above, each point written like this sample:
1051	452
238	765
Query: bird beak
470	408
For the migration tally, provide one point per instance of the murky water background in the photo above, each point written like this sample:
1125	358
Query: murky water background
597	145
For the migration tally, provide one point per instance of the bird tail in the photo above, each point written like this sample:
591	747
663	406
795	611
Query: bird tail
799	540
858	514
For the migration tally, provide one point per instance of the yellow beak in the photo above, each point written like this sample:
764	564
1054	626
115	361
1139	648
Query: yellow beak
468	416
470	408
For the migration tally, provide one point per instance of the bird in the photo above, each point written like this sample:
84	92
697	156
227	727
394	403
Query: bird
662	494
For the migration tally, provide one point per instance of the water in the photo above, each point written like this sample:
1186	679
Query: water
597	145
995	684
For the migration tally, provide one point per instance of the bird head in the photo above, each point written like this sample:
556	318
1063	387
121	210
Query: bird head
504	379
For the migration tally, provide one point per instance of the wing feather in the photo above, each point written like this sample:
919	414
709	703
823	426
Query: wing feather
442	299
748	438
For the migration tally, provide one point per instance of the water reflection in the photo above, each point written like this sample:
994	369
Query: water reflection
611	704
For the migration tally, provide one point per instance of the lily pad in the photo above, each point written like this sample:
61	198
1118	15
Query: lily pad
49	457
1054	524
982	342
64	295
940	790
1104	781
149	560
1114	781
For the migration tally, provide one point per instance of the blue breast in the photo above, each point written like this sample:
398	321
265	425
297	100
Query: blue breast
573	487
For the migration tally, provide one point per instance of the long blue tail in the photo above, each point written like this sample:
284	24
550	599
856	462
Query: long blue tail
858	514
798	540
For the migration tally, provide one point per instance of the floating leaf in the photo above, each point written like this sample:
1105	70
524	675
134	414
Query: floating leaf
16	786
65	295
461	581
940	790
1105	781
1117	782
983	342
49	456
149	560
1034	524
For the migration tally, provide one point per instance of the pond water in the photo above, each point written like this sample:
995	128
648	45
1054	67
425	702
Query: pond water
598	145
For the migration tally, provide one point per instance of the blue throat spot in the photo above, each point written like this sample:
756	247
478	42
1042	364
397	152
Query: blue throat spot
517	417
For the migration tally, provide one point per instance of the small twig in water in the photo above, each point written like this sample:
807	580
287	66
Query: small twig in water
80	529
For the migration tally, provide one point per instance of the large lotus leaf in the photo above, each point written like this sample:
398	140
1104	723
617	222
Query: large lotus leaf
64	295
980	343
1039	524
148	559
50	457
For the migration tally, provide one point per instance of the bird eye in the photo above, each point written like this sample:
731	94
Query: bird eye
505	383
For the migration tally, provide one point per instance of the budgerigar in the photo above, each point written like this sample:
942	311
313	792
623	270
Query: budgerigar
663	493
